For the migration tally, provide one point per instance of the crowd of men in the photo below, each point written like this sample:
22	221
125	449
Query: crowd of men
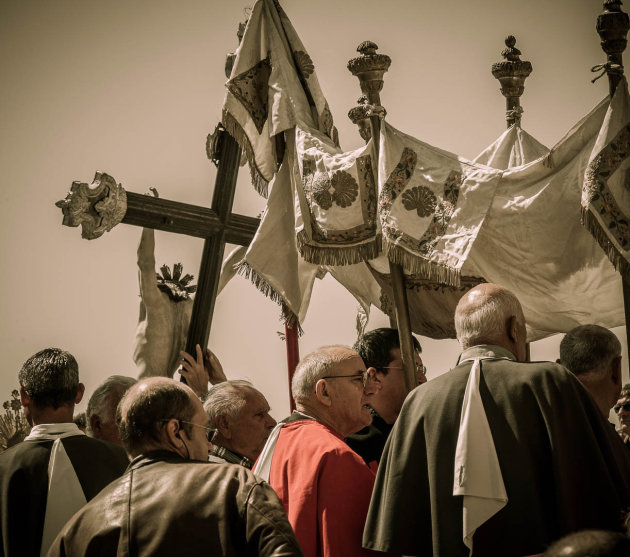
498	456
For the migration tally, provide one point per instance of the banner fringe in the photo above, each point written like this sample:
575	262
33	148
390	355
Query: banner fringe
337	256
415	265
620	263
288	317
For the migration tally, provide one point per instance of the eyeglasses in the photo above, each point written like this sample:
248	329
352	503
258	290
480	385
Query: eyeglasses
624	405
420	368
210	431
363	375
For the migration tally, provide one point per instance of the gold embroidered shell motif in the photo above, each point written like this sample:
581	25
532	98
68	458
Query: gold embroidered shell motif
420	198
345	190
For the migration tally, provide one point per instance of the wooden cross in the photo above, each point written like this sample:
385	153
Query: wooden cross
100	206
104	204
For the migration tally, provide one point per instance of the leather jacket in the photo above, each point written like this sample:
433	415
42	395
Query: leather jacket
166	505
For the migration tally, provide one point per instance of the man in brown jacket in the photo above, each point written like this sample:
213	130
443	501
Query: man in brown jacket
172	501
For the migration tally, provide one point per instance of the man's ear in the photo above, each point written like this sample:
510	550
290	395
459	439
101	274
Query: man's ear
374	375
322	392
95	424
223	426
25	400
615	370
80	391
172	430
512	329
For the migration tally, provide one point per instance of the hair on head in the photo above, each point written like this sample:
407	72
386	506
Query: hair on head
484	318
375	346
109	391
50	377
312	367
227	398
587	348
144	410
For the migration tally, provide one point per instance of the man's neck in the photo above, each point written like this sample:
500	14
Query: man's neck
50	415
317	414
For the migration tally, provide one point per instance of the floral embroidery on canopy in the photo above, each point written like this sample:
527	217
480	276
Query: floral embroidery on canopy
443	213
596	192
399	177
338	193
251	88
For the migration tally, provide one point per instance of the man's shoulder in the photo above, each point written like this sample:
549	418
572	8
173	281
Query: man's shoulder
25	453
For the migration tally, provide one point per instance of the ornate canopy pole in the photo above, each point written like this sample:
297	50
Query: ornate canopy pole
512	73
612	27
369	69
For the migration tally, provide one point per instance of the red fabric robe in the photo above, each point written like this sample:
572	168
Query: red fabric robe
325	488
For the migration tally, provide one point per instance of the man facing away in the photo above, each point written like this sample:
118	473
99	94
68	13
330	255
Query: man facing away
497	456
380	351
45	479
101	409
240	415
593	354
172	501
324	486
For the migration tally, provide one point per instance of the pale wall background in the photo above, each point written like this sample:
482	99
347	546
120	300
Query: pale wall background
133	88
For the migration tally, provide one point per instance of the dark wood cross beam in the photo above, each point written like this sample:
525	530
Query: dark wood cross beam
98	208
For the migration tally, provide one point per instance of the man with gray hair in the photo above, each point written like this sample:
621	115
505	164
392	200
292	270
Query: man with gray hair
593	354
171	500
240	415
324	485
50	475
101	409
498	456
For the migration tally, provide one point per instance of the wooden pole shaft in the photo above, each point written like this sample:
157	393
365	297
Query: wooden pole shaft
612	26
370	68
210	268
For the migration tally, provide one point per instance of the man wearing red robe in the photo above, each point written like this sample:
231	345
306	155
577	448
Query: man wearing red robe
324	486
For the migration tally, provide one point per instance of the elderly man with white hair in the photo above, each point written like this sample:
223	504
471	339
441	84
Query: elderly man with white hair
101	409
324	485
240	415
498	456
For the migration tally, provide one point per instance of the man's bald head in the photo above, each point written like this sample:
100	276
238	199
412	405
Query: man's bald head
491	314
145	408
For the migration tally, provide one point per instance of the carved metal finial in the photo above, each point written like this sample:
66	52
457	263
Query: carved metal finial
360	116
97	207
512	73
370	68
612	27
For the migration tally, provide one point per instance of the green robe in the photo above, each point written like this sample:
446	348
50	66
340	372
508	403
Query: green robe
563	466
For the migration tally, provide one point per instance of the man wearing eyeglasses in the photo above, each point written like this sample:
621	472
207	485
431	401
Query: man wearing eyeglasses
172	501
380	351
324	486
622	409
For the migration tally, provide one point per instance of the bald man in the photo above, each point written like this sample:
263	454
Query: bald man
172	501
498	456
324	485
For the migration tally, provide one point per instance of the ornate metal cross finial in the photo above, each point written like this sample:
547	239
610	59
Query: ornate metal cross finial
612	27
512	73
370	68
96	207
